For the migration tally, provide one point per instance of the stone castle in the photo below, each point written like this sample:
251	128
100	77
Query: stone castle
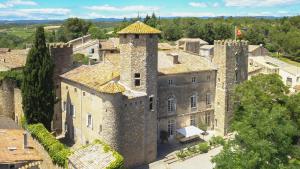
130	97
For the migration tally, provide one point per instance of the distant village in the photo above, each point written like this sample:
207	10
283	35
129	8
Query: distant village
133	93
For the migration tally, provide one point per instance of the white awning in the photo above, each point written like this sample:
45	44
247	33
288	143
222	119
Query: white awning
190	131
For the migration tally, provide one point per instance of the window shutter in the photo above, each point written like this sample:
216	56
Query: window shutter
74	111
92	126
87	120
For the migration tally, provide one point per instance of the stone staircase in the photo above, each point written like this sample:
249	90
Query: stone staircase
171	158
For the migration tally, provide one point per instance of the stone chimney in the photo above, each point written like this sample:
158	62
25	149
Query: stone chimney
175	58
25	134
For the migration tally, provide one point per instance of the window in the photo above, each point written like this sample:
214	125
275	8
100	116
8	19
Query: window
170	82
193	120
298	79
92	51
151	100
136	36
208	77
193	79
150	36
207	118
208	99
66	126
171	104
75	89
194	101
125	36
137	79
89	122
236	75
289	81
64	106
100	128
171	127
216	123
72	110
83	93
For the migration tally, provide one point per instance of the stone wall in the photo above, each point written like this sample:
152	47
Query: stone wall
182	89
192	47
232	60
7	98
18	105
47	161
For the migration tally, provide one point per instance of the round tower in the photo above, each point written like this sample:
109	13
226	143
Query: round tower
139	55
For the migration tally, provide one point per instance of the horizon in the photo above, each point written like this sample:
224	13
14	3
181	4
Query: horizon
56	10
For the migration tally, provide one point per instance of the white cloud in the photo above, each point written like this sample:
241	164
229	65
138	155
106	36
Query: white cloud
12	3
198	4
192	14
256	3
123	8
54	11
216	4
37	14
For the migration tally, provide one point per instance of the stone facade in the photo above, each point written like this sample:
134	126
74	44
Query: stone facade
7	98
182	89
231	57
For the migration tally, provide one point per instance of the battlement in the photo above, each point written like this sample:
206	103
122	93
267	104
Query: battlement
60	45
231	42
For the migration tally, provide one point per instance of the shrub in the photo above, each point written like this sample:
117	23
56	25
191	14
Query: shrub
218	140
181	154
58	152
203	147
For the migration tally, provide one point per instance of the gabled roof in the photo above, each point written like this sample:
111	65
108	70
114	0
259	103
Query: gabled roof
139	28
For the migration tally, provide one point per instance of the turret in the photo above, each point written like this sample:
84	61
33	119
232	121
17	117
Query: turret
231	57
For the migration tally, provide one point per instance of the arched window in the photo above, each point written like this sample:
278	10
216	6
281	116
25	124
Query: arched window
171	104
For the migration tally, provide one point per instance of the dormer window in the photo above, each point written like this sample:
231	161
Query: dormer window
137	79
136	36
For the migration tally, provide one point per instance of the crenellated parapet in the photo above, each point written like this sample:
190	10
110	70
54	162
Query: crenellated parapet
60	45
230	42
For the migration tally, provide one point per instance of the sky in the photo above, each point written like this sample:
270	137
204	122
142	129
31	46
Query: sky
89	9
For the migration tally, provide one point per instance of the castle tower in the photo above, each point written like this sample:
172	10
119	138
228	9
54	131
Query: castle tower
63	62
139	55
231	57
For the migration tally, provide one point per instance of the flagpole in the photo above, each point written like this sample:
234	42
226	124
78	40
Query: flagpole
235	33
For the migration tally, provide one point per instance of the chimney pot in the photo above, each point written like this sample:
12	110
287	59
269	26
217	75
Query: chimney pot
25	134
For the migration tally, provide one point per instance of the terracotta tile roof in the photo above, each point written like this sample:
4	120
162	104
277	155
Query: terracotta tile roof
11	147
139	28
13	59
103	77
187	63
97	77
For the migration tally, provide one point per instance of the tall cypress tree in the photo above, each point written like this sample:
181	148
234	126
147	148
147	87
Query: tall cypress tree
37	87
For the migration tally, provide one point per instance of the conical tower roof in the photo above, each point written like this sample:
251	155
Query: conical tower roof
139	28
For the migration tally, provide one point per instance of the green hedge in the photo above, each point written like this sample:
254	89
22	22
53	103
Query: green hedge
216	140
58	152
119	160
190	151
16	75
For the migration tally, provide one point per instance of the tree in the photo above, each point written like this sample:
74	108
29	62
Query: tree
172	32
264	129
75	27
97	33
37	87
